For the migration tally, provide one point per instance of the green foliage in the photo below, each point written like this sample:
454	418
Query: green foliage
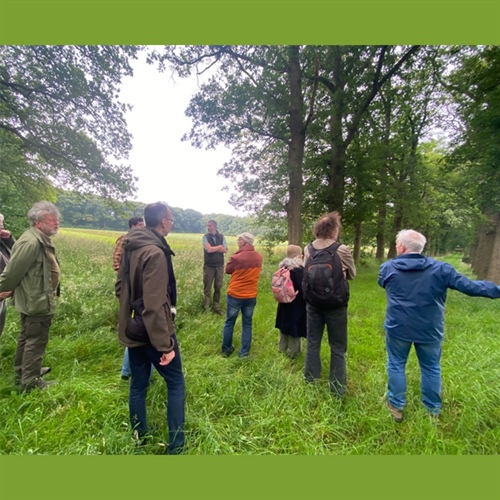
257	406
476	92
60	120
96	212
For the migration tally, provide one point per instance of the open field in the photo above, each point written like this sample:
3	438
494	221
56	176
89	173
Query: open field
260	405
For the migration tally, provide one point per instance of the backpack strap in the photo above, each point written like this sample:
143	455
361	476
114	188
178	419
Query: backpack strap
313	252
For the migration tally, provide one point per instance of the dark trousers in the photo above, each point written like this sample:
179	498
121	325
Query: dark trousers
212	276
31	345
141	359
3	314
336	324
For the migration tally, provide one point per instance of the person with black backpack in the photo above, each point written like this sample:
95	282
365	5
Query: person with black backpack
327	267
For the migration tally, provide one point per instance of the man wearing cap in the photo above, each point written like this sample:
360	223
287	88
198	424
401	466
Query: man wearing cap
244	267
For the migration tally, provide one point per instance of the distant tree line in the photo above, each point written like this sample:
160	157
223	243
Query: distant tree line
95	212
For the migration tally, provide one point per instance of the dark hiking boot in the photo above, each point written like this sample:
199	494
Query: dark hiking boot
36	383
228	353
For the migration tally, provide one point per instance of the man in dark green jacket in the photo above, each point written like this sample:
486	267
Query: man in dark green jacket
32	275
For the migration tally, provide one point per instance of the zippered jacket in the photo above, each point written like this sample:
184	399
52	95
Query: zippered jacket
416	288
28	275
148	256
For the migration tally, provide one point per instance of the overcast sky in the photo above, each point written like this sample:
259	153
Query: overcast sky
168	169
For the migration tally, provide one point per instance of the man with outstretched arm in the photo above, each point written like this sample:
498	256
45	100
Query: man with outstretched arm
416	287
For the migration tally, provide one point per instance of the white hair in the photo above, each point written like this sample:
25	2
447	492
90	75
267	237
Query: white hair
412	240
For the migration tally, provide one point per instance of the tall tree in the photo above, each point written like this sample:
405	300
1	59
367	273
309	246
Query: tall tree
475	87
61	122
352	78
259	102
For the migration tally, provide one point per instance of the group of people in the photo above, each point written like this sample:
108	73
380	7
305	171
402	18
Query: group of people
416	288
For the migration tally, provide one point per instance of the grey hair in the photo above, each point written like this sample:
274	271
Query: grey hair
412	240
214	222
40	209
291	263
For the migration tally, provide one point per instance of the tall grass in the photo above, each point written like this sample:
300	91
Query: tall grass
259	405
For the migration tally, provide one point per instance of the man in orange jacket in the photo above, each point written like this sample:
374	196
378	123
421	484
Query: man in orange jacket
244	267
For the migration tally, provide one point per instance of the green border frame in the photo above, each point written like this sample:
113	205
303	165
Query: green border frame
250	478
250	22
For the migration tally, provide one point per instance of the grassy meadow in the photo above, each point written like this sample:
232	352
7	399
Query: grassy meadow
254	406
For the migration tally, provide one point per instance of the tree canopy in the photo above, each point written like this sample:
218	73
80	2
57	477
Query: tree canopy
61	121
389	136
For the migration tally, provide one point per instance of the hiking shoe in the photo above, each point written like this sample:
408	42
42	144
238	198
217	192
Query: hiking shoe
125	377
217	311
36	383
45	370
396	414
228	353
141	439
243	355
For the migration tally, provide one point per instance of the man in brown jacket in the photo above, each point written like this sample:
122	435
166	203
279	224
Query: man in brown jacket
145	273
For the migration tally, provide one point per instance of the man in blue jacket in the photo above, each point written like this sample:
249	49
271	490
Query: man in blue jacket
416	288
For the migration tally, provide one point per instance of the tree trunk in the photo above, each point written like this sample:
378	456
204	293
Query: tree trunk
396	227
336	182
357	242
382	207
485	255
295	150
494	267
379	255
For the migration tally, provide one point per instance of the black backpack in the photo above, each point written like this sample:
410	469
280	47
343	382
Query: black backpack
324	284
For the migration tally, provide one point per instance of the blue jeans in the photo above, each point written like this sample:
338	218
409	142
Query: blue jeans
126	365
141	359
336	326
429	357
233	307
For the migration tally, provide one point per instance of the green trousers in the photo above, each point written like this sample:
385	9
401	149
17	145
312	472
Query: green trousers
289	345
31	345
